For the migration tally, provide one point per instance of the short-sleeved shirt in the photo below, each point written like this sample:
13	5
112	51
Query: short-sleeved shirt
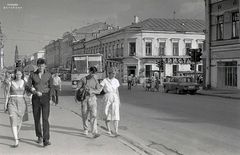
91	83
56	80
110	85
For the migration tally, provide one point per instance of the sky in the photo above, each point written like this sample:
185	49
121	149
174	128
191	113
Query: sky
31	24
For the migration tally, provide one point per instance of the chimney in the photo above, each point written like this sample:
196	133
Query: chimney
136	20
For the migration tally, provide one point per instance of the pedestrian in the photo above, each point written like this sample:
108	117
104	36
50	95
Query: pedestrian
129	81
111	101
25	78
16	105
6	83
89	104
57	87
40	85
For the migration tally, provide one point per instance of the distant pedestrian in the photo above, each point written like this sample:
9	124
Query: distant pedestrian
16	104
111	101
6	83
89	104
40	84
57	87
129	81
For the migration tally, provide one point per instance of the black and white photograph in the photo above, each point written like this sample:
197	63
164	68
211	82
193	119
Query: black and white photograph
119	77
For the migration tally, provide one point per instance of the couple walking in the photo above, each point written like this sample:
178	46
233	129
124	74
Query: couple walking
40	85
111	101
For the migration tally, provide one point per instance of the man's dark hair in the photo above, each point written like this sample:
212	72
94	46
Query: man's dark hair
93	69
41	61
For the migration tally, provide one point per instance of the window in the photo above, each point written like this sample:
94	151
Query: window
113	51
220	27
121	50
175	70
200	68
148	48
162	46
117	50
235	24
188	46
175	49
231	74
132	49
148	70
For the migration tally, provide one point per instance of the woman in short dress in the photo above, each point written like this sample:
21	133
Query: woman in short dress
111	101
15	104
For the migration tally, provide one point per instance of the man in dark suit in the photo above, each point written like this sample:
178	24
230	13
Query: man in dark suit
40	85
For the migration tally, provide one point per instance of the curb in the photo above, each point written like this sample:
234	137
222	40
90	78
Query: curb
216	95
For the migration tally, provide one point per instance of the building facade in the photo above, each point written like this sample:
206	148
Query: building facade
1	49
135	49
222	43
53	54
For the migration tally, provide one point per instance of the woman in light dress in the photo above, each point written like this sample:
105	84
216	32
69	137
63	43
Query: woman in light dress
111	101
15	104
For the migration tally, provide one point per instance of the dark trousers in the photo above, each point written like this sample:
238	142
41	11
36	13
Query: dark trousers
40	106
129	84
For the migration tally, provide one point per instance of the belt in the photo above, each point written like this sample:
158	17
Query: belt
17	96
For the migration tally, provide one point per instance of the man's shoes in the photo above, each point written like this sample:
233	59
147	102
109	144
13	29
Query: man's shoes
46	143
85	132
96	135
39	140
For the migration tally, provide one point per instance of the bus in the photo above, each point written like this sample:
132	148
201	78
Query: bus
80	65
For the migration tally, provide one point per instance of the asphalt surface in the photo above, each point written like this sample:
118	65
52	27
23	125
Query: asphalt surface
151	123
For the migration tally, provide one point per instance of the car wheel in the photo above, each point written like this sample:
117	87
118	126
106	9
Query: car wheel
165	90
193	92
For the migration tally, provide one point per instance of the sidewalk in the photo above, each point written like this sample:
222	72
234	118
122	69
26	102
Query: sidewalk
224	93
66	135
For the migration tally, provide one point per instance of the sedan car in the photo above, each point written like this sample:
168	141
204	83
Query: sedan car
181	84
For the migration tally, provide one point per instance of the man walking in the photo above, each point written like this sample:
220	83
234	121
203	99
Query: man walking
89	104
57	87
40	85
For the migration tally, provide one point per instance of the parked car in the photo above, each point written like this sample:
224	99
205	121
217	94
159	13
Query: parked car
180	84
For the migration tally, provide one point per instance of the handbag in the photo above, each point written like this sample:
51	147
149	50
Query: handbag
81	93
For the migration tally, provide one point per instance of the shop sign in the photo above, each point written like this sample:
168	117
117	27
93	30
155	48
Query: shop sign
176	60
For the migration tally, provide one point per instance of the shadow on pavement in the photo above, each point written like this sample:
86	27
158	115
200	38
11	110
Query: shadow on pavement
30	142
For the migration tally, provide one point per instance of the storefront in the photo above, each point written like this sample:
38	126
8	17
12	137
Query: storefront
227	74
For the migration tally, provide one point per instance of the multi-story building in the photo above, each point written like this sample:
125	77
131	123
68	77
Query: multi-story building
53	53
135	49
222	43
59	52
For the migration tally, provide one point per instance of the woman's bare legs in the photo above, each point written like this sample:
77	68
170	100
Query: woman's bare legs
15	132
115	124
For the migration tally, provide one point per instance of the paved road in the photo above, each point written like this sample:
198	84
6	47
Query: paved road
173	124
185	124
181	124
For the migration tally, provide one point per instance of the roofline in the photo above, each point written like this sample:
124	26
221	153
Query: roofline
86	54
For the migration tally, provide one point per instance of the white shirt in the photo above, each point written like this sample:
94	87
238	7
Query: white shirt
56	80
110	85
